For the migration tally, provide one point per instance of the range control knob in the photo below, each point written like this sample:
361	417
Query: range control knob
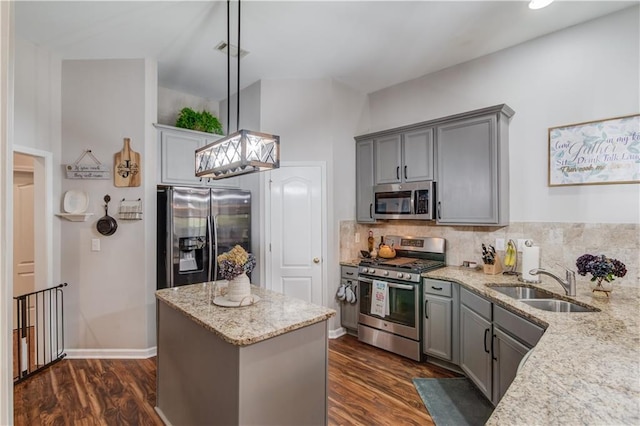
385	273
400	274
407	277
372	271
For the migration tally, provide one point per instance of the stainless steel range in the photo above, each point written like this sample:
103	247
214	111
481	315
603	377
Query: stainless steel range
397	284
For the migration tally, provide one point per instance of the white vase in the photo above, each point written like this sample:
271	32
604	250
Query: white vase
239	288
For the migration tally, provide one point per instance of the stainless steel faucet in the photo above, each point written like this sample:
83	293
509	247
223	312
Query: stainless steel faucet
569	284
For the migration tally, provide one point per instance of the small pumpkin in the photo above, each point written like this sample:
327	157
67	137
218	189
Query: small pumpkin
386	251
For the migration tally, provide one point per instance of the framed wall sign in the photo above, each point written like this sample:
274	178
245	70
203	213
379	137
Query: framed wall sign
595	152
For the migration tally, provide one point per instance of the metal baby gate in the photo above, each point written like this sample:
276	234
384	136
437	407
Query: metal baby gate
38	334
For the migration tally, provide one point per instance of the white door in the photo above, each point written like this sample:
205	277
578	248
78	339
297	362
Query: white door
23	236
295	214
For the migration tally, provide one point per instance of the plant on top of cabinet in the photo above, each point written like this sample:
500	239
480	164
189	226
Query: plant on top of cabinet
202	121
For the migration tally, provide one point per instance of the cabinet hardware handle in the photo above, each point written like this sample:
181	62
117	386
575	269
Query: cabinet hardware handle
493	352
436	288
439	210
370	213
398	172
405	172
486	331
348	273
425	309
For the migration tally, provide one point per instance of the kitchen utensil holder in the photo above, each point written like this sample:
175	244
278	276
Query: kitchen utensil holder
493	269
130	209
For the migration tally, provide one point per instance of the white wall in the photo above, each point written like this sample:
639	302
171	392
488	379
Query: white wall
37	118
170	102
107	302
6	224
316	120
587	72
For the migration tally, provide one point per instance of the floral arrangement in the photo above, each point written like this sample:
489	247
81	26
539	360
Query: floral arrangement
236	262
600	267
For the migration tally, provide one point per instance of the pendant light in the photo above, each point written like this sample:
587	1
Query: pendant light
244	151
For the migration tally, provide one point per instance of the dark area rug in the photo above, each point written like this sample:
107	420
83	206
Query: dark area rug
453	401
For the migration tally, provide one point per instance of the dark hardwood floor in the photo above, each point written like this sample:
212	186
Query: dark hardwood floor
367	386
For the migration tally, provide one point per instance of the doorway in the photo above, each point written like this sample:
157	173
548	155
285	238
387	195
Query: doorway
295	229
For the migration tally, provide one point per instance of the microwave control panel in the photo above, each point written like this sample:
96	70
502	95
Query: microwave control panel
422	201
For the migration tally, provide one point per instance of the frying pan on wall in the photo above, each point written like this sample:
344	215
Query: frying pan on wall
106	224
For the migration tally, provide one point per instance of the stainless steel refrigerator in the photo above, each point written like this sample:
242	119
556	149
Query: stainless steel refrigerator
194	226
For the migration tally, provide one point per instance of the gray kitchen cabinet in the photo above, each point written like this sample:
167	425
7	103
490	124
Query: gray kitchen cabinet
513	336
405	157
475	354
349	311
507	354
440	319
364	181
493	341
473	168
176	158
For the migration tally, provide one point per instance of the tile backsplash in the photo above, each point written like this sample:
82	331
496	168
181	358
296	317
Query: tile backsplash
560	243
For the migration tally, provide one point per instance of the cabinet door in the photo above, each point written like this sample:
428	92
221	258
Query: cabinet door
438	326
364	181
475	355
388	154
177	158
467	172
349	311
507	354
417	155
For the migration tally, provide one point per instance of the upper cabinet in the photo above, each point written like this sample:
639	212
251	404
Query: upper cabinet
466	154
364	181
472	177
176	158
404	157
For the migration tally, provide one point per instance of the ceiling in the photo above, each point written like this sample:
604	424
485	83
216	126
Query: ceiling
366	45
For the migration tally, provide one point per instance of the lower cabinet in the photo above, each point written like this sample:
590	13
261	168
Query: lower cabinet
475	354
349	310
493	341
440	319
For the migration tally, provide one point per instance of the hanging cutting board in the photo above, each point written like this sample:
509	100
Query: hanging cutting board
127	166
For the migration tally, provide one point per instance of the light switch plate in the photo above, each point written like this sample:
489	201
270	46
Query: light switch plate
95	244
500	244
357	237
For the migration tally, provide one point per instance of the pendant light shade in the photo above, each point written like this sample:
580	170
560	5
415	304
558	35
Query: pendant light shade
244	151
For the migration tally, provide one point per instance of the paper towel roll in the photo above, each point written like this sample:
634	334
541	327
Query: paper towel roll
530	260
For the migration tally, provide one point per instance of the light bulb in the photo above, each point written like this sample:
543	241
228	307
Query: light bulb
539	4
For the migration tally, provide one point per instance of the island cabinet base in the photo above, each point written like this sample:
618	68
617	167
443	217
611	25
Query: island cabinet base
204	380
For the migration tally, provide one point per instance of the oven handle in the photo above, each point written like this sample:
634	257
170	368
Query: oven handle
393	285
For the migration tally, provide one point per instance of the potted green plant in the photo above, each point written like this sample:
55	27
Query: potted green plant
202	121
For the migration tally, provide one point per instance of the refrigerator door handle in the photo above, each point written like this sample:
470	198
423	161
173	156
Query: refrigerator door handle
214	247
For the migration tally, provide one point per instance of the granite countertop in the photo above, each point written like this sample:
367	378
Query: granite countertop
352	262
273	315
586	367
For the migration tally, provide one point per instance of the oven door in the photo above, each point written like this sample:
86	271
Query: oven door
404	308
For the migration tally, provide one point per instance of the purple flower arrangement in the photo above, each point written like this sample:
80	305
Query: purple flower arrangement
600	267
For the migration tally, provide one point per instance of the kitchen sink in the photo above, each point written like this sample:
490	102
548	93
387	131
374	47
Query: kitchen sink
555	305
523	292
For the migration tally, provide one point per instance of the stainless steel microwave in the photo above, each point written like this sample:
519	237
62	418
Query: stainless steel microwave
413	200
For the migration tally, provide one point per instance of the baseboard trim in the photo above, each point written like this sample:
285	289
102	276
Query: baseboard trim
334	334
111	353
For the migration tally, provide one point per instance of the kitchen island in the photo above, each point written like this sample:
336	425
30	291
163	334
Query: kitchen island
586	367
261	364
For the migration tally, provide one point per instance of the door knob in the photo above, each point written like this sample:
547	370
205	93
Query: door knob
316	260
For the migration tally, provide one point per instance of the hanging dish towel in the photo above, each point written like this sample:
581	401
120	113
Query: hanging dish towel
379	298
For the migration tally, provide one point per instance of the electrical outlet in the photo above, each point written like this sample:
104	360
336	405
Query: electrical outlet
500	244
521	242
95	244
357	237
